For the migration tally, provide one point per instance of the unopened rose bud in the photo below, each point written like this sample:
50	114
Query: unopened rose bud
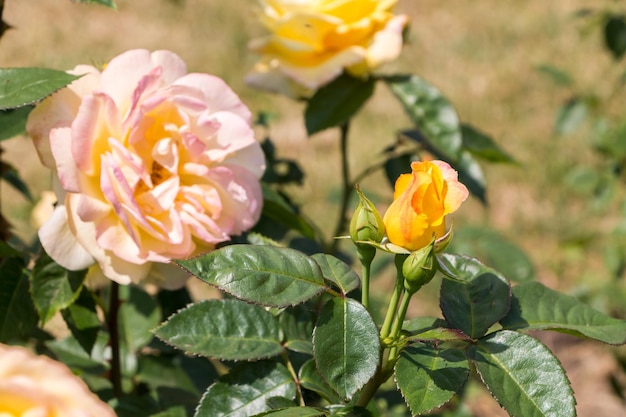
366	226
419	268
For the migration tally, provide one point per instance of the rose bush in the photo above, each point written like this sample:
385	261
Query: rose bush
421	201
151	164
37	386
312	42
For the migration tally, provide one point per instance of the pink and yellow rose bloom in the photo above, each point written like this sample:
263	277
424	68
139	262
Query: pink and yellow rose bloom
151	164
37	386
311	42
421	202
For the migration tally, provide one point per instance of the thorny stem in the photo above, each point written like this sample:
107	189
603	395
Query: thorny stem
347	186
112	320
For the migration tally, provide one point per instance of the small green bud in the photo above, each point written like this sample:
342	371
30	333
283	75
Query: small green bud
419	268
366	225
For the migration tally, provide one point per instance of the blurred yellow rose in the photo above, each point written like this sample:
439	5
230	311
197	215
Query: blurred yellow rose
312	42
37	386
421	202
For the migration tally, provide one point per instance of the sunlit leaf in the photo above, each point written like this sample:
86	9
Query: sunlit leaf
338	272
54	287
428	377
473	296
23	86
266	275
244	391
223	329
13	122
335	103
483	146
346	345
570	116
536	307
523	375
107	3
294	412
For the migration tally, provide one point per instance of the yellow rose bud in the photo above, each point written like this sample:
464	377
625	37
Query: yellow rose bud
310	43
421	201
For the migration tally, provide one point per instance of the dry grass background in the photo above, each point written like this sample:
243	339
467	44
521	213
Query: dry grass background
482	54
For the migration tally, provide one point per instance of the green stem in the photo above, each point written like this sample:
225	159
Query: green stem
393	303
347	186
294	375
365	284
112	320
397	328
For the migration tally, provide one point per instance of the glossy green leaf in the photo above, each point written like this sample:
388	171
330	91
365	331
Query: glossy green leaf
342	410
176	411
135	405
428	377
338	272
9	174
297	325
523	375
615	35
494	250
54	287
17	312
439	334
431	113
335	103
82	319
71	353
244	391
276	208
311	379
423	324
346	345
536	307
570	116
138	315
24	86
223	329
294	412
160	371
13	122
107	3
483	146
473	296
267	275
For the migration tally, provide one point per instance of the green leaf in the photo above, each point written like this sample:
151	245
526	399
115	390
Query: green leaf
423	324
297	325
494	250
396	166
176	411
473	296
266	275
107	3
71	353
17	313
523	375
54	287
160	371
439	334
223	329
558	76
431	112
428	377
615	35
13	122
483	146
243	392
536	307
335	103
23	86
276	208
570	116
81	318
12	177
138	315
311	379
294	412
346	345
338	272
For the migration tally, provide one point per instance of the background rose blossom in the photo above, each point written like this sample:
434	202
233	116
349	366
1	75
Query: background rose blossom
312	42
38	386
152	164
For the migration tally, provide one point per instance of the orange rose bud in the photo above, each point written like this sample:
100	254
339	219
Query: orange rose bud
421	201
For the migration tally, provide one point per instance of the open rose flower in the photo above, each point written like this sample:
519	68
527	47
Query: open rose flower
37	386
152	164
311	42
421	201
